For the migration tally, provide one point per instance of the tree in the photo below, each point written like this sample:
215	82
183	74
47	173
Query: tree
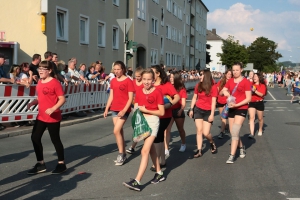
208	60
233	52
263	54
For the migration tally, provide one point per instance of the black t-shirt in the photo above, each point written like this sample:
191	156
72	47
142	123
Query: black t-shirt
34	68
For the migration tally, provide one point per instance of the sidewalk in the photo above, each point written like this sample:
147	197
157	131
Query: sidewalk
72	119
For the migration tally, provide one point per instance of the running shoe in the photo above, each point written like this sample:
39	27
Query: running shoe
60	168
38	168
250	136
221	135
242	152
130	150
157	178
120	160
132	184
182	148
230	159
167	152
259	133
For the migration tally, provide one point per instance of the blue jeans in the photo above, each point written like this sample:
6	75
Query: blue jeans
289	88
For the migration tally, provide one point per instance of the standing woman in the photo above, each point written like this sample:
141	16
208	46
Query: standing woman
203	107
241	89
162	83
259	91
119	102
221	101
50	97
150	102
177	111
250	77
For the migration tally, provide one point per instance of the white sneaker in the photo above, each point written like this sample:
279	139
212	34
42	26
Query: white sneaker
182	148
242	152
167	152
259	133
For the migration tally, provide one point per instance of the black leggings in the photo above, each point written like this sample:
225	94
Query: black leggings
36	138
163	125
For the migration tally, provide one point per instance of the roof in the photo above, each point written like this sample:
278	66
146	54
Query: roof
212	36
204	6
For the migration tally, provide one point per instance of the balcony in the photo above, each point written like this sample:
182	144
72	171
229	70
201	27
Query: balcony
192	31
192	51
193	11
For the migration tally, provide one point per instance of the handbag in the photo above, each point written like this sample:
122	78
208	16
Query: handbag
225	111
141	129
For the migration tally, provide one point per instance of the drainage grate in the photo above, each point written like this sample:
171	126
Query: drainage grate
293	123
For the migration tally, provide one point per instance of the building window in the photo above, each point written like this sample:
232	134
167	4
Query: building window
180	37
101	34
154	26
115	42
84	29
168	59
162	45
141	11
179	62
162	16
168	32
173	57
174	9
187	41
173	34
187	19
154	56
156	1
62	23
116	2
169	5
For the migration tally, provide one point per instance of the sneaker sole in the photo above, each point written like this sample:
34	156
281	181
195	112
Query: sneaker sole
120	164
160	180
59	172
42	171
229	162
242	156
130	152
130	187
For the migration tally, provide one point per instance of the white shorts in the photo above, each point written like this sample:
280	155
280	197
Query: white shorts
153	122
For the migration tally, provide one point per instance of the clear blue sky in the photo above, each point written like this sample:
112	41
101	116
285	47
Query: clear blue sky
277	20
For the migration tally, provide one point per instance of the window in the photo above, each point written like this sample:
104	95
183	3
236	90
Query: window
154	25
154	56
187	41
173	34
156	1
168	32
115	41
174	9
168	59
62	23
187	19
116	2
84	29
180	37
173	60
169	5
179	14
197	45
162	45
101	34
179	62
141	11
187	61
162	16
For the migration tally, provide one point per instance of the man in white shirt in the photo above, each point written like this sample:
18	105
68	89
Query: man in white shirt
72	74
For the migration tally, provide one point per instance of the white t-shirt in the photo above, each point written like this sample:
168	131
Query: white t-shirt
111	76
72	73
23	76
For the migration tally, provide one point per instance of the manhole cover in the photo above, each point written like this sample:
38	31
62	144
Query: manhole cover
293	123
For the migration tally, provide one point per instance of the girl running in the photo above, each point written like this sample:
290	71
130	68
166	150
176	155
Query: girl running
239	88
221	101
203	107
119	102
151	104
177	112
161	83
50	97
138	85
256	105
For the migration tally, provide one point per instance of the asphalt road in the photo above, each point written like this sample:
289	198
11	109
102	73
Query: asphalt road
270	169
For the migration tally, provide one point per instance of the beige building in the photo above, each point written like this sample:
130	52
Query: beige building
170	32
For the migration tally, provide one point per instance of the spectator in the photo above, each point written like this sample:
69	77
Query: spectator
72	74
36	59
26	75
48	56
91	74
14	74
81	72
55	58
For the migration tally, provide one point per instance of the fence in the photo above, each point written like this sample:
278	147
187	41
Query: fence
14	100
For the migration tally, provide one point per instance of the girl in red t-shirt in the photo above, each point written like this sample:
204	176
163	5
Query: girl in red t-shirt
238	109
50	97
177	111
138	85
221	101
162	83
203	107
259	91
119	102
150	102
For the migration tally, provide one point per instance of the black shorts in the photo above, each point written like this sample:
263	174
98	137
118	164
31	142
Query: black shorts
296	93
260	106
201	114
220	105
280	82
163	125
233	112
175	111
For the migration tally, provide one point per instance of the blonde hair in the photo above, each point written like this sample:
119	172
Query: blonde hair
61	65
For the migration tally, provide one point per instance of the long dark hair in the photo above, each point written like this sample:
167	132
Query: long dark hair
123	67
261	81
207	83
223	80
162	74
47	64
178	83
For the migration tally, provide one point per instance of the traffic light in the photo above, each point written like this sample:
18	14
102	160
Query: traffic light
130	48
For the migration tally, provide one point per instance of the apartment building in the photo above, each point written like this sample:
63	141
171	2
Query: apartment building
215	42
169	32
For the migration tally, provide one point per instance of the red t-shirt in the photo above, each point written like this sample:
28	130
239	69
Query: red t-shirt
239	94
150	101
204	101
182	94
260	88
221	98
48	94
137	87
167	89
120	92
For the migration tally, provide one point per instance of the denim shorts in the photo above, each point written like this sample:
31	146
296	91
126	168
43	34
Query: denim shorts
115	114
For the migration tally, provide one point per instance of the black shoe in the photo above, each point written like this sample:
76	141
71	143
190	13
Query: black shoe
60	168
130	150
221	135
161	166
157	178
38	168
2	127
132	184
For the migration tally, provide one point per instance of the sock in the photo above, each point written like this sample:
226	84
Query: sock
138	182
160	172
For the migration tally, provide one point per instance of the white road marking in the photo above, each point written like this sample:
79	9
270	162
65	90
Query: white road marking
283	193
281	107
266	110
293	198
290	110
278	110
271	95
269	107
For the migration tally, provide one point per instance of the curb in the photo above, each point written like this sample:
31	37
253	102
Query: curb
13	133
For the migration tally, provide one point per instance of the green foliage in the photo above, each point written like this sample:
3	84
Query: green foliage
263	54
233	52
